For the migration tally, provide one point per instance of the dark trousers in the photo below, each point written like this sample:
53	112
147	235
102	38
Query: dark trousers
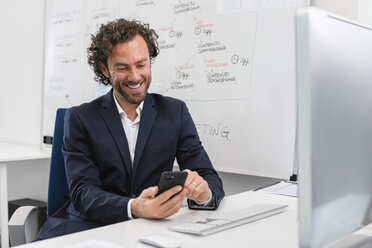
63	222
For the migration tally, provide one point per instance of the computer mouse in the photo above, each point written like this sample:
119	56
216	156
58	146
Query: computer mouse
160	240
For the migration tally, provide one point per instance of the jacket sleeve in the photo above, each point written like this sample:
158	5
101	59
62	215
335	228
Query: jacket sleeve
191	155
83	177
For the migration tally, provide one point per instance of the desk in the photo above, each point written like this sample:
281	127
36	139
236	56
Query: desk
11	153
276	231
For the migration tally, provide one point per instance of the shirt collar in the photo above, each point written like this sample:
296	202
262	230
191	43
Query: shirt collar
122	112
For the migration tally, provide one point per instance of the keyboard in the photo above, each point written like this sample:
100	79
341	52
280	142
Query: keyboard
226	220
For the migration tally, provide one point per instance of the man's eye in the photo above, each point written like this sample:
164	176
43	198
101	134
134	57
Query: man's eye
121	69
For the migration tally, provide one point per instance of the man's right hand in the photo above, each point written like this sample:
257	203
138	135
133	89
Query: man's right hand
162	206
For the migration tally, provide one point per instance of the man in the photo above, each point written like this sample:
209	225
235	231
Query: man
117	146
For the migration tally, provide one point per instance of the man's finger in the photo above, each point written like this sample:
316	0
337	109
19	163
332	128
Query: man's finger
149	192
190	177
173	205
166	195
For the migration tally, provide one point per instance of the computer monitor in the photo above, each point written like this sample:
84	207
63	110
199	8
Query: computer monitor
334	121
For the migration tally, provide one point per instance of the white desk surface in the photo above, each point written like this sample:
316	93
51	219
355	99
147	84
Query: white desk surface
10	152
280	230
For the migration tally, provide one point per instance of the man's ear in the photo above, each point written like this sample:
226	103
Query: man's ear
104	69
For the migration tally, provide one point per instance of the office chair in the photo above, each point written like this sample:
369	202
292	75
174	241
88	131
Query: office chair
57	189
23	225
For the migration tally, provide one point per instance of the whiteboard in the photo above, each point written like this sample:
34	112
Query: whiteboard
231	61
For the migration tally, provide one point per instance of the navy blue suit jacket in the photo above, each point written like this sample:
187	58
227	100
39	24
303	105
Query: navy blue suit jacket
100	174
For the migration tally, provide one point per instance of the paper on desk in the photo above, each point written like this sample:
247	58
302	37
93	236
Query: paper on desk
93	244
282	188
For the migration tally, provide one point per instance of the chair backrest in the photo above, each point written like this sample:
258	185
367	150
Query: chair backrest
57	176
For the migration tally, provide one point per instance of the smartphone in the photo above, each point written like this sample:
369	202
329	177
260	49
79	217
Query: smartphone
169	179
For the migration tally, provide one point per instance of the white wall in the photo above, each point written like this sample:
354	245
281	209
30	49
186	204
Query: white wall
357	10
21	63
346	8
365	12
28	179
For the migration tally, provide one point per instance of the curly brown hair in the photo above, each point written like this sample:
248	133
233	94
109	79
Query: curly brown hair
112	33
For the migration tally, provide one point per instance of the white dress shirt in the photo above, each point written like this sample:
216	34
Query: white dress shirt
130	127
131	132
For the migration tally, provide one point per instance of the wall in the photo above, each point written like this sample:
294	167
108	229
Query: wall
21	70
360	11
365	12
347	8
28	179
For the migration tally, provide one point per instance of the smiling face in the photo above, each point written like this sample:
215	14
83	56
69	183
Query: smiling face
129	71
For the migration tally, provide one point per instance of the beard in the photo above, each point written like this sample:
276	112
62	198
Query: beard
131	98
136	98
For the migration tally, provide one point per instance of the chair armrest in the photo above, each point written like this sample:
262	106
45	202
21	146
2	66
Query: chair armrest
23	225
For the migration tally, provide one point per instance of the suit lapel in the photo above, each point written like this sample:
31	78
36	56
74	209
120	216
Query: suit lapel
112	119
147	120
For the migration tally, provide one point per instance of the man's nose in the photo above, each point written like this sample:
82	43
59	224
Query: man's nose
134	75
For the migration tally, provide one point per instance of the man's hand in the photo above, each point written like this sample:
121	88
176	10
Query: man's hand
197	187
162	206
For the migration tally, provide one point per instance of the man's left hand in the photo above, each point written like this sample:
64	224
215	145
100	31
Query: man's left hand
198	189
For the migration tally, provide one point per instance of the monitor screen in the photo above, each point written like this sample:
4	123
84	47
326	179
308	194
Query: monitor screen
334	121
